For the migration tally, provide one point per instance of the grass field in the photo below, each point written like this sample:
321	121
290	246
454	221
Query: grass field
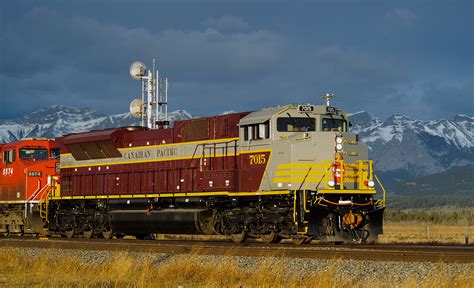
122	270
415	232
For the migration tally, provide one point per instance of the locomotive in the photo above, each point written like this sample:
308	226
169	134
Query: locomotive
285	172
28	166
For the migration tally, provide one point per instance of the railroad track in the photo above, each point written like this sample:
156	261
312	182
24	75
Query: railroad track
380	252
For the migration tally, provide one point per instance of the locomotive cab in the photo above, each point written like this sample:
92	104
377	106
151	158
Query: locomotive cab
324	165
27	166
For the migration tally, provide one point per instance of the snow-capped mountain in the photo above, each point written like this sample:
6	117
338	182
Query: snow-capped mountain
403	147
57	120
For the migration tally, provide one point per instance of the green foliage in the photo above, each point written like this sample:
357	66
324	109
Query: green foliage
457	182
465	217
425	202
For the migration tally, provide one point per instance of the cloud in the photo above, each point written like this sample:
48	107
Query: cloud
401	17
53	59
451	98
433	100
226	23
360	79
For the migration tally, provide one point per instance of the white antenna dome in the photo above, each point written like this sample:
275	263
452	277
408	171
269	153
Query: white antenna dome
136	107
137	70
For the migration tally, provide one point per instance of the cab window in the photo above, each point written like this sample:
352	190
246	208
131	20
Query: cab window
330	124
34	153
296	124
54	153
9	156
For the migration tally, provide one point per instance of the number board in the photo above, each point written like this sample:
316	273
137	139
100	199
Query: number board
306	108
331	110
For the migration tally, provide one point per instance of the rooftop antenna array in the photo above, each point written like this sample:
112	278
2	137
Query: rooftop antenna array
153	111
328	97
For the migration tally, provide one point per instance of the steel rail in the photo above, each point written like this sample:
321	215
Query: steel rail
405	252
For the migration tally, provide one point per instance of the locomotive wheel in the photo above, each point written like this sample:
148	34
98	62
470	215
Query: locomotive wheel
107	234
88	233
145	236
301	240
6	233
238	237
119	236
69	233
269	238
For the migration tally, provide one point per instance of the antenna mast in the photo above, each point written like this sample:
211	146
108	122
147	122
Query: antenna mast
328	97
153	111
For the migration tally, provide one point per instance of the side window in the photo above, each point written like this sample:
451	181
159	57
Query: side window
257	131
246	133
267	129
9	156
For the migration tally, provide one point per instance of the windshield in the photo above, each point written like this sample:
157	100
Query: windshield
33	153
55	153
329	124
296	124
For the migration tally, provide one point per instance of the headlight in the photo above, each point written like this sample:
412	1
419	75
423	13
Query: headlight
331	183
339	140
339	146
371	184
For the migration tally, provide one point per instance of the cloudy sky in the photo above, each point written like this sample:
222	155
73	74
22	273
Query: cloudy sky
409	57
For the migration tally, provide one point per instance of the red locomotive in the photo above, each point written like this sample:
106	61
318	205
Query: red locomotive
27	167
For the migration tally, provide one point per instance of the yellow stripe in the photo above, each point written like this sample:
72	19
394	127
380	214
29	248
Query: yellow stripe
307	180
180	194
299	172
142	161
254	151
181	144
322	165
161	160
172	144
348	191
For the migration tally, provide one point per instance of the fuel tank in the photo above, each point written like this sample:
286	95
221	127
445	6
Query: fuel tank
166	221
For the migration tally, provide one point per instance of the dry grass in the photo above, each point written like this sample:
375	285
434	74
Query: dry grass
48	270
415	232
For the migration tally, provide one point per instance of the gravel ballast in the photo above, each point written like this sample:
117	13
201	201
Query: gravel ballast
360	270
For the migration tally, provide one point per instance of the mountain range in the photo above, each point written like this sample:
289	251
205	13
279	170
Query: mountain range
402	147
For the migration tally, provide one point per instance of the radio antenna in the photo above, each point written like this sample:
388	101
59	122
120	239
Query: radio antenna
150	111
328	97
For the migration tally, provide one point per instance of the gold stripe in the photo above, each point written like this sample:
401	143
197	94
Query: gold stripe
182	143
143	161
180	194
298	172
322	165
162	160
172	144
254	151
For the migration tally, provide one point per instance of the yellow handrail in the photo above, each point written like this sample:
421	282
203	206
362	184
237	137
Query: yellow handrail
383	189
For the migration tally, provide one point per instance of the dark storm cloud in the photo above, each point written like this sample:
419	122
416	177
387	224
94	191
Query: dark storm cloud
226	23
377	57
52	58
453	98
360	79
402	17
